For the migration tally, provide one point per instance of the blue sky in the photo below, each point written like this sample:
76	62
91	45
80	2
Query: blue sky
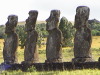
67	8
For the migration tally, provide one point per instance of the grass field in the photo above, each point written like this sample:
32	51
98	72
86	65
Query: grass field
67	56
96	42
67	51
72	72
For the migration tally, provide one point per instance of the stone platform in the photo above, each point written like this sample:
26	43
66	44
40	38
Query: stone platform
52	66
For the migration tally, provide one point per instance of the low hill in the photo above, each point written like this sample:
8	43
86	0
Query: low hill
23	22
93	21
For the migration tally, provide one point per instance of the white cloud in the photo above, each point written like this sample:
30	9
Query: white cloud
67	8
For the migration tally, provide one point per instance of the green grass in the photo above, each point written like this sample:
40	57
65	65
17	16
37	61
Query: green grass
72	72
67	54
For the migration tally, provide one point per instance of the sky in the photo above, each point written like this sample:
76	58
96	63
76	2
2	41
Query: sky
67	8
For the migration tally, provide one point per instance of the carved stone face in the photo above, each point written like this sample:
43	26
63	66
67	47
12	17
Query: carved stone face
31	21
12	19
82	15
33	14
52	21
11	24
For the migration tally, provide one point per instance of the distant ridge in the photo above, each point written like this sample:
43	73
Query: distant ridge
23	22
93	21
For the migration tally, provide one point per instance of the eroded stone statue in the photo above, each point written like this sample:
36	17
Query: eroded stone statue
11	42
30	53
54	40
83	38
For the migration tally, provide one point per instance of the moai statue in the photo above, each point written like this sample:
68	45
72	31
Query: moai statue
54	40
30	53
11	42
83	38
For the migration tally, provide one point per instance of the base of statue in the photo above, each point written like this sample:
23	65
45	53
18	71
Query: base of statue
53	61
30	62
9	62
81	60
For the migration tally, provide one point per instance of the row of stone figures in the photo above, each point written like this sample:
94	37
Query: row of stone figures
82	40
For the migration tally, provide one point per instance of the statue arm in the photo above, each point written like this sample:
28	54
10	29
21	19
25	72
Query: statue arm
59	37
14	43
90	38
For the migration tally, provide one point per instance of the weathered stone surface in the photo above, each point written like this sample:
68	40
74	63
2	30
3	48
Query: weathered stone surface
11	42
54	40
83	38
31	53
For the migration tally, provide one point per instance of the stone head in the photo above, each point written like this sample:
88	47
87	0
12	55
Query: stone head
11	24
53	20
81	17
12	19
33	14
31	21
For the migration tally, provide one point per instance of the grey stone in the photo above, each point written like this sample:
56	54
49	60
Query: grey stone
31	52
83	38
11	42
54	40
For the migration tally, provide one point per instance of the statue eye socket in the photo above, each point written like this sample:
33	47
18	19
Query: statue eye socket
11	18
